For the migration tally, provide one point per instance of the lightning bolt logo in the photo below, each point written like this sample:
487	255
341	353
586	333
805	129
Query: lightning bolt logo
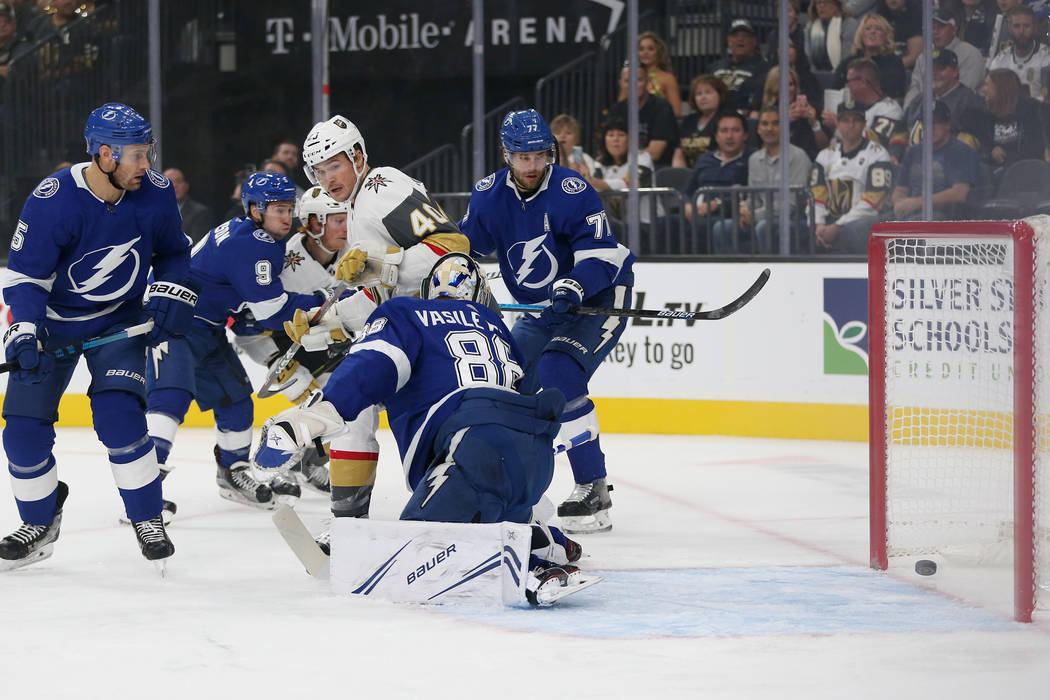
113	258
157	353
436	478
608	328
531	251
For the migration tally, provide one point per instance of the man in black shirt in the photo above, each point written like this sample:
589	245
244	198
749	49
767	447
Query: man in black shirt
657	128
744	70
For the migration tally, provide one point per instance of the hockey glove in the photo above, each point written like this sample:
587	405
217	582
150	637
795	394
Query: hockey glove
22	345
295	381
566	297
286	436
170	305
326	331
370	262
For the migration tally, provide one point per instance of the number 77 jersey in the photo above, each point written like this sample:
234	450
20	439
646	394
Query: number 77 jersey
417	356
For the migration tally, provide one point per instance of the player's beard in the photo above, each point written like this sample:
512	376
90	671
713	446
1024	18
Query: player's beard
127	180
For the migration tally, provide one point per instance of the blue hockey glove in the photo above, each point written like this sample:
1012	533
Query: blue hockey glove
22	345
566	297
170	305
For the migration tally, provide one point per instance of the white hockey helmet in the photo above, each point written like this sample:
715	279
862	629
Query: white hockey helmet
319	203
330	138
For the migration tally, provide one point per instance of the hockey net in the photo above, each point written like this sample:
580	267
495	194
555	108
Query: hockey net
959	433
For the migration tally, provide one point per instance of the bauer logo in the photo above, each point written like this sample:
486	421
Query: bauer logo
845	326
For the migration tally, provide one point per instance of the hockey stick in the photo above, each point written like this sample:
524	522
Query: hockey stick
712	315
74	348
266	390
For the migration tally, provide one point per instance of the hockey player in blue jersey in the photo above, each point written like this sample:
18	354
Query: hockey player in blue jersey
548	228
474	450
85	242
237	266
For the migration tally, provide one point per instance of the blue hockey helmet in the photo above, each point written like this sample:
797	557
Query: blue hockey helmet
116	125
457	276
265	187
525	131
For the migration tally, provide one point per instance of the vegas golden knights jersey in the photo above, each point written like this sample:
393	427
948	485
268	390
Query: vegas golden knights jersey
853	185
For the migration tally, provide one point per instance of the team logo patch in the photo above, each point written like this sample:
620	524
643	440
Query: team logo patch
375	182
158	179
106	274
293	260
47	188
485	182
573	185
263	236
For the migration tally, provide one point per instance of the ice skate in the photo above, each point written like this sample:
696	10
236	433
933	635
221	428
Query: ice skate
587	508
324	541
154	541
32	543
167	512
546	584
237	484
285	489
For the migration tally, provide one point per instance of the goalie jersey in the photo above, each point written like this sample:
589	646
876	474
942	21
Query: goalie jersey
395	210
559	230
850	185
416	357
81	263
237	266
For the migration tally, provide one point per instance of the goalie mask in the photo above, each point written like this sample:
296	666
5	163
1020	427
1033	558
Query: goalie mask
457	276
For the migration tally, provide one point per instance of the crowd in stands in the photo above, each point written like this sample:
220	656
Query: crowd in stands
855	123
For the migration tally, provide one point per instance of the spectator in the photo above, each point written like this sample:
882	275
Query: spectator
971	63
874	41
197	219
724	167
905	16
806	130
977	24
796	35
655	58
273	166
611	170
850	182
763	170
657	129
1000	38
1025	56
26	13
743	69
807	82
829	35
963	103
1013	130
63	13
11	43
570	154
955	172
236	206
882	114
287	152
708	96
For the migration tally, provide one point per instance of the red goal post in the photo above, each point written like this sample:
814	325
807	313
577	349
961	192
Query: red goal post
958	419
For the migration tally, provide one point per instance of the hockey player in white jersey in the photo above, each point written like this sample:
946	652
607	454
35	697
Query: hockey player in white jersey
850	181
397	233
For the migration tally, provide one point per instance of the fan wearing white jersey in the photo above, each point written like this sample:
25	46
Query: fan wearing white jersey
397	233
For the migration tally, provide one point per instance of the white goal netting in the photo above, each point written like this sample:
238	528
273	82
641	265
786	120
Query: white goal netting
950	342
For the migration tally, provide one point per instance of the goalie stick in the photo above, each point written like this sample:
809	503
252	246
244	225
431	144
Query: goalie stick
74	348
712	315
267	390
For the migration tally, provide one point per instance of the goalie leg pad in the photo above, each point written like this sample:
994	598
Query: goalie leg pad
429	562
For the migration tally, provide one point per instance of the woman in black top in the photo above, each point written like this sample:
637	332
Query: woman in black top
707	95
875	40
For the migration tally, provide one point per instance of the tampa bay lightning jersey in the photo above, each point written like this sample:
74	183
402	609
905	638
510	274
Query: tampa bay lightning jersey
238	266
79	264
417	356
560	230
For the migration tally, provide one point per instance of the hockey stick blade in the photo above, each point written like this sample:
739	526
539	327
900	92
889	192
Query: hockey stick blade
74	348
712	315
301	542
267	389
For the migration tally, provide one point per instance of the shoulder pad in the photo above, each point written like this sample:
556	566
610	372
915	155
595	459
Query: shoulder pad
485	182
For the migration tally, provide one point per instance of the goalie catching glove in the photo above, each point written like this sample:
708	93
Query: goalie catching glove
286	436
368	262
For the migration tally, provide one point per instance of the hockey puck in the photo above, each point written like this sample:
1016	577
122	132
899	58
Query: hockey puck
925	567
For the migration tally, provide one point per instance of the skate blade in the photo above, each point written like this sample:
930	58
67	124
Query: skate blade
39	555
161	566
548	595
237	498
586	524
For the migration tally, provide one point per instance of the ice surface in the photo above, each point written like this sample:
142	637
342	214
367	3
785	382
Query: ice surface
736	568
